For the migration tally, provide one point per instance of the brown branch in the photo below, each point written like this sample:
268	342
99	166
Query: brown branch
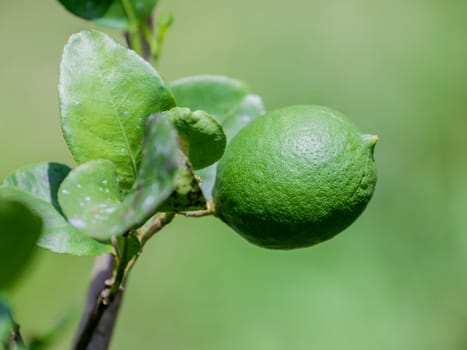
103	301
98	321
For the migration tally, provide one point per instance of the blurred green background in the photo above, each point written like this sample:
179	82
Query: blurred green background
396	279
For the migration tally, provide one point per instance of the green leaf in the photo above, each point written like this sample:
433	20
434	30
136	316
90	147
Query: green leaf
116	18
202	138
90	195
216	95
87	9
246	111
37	186
106	94
42	180
228	100
128	247
19	232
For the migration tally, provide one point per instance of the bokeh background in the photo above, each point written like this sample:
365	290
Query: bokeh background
396	279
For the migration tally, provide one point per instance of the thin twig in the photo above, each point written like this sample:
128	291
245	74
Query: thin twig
210	210
155	226
196	213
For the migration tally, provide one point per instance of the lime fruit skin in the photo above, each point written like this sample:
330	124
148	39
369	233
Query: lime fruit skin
295	177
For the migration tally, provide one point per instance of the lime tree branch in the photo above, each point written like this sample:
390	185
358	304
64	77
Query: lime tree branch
133	31
105	295
95	330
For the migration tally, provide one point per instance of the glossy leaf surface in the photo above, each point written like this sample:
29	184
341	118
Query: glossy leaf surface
19	230
116	17
202	138
91	197
228	100
106	94
87	9
37	186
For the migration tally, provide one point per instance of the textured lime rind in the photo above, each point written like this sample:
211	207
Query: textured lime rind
295	177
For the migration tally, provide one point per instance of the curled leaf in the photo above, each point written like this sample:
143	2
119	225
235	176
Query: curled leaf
227	100
202	138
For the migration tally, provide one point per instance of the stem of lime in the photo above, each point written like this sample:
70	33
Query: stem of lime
133	31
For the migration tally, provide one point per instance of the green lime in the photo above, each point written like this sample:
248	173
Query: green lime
295	177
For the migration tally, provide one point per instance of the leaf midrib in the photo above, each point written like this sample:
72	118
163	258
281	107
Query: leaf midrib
120	125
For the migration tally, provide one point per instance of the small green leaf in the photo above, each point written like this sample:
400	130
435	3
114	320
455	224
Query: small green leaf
87	9
228	100
187	195
116	18
128	247
19	232
202	138
90	195
106	94
37	187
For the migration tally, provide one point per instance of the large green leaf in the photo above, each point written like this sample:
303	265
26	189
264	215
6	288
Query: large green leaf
202	138
106	93
91	198
19	231
228	100
87	9
116	17
37	186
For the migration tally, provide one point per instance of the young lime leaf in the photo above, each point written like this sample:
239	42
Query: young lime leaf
106	93
37	186
128	247
87	9
116	18
187	195
202	138
19	231
228	100
90	196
